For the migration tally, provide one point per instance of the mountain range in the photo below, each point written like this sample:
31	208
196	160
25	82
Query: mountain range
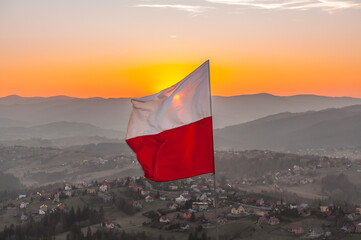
335	127
113	113
56	130
260	121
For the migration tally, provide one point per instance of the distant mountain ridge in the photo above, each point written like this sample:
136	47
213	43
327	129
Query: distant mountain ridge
113	113
57	130
290	131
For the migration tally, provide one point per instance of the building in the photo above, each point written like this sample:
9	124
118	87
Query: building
91	191
183	198
173	206
61	207
149	199
273	221
187	215
237	209
164	219
137	205
44	207
22	196
103	188
297	230
324	209
23	205
200	206
68	194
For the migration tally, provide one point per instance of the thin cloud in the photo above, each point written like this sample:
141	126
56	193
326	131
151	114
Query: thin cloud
187	8
324	5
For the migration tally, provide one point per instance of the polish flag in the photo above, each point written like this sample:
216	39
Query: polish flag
171	131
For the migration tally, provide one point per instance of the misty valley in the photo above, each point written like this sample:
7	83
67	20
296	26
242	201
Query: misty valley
286	168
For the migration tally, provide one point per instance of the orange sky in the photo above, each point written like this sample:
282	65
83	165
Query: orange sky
129	48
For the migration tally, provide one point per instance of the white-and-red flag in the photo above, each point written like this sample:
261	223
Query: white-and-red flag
171	131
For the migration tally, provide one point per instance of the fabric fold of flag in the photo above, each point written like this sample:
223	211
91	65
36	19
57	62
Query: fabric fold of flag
171	131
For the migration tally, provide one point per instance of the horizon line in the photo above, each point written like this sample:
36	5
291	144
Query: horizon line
251	94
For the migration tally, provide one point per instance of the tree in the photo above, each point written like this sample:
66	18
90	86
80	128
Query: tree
193	217
191	237
89	234
101	213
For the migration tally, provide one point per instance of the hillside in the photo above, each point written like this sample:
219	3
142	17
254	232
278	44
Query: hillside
292	131
113	113
57	130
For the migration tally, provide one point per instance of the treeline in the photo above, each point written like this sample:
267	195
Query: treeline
124	205
256	163
340	188
52	224
6	195
9	182
77	234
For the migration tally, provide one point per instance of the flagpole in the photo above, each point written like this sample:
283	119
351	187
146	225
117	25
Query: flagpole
215	205
214	174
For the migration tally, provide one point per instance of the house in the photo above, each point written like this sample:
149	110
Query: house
273	221
44	207
324	209
149	199
68	194
137	205
108	225
260	202
261	213
183	198
237	209
187	215
106	183
103	188
358	211
184	226
144	193
358	227
202	197
67	187
22	196
163	198
297	230
164	219
23	205
293	206
61	207
200	206
173	206
91	191
173	187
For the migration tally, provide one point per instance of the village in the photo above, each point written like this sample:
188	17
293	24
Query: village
181	206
